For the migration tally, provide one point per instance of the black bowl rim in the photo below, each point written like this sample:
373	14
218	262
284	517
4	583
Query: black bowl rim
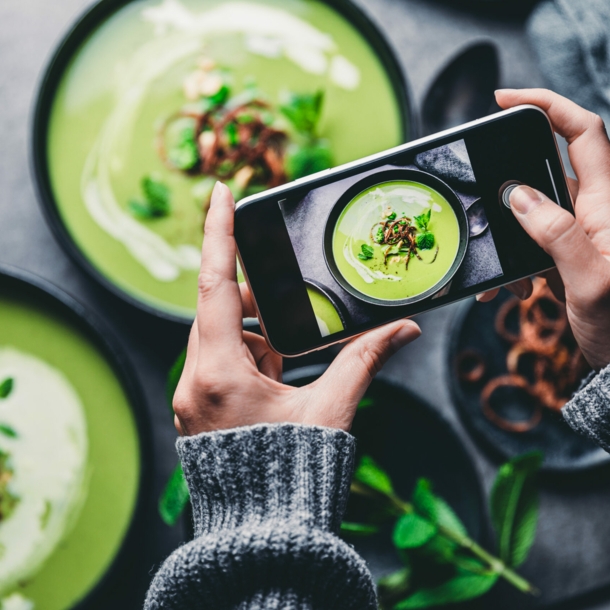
482	440
71	40
316	370
105	340
335	301
381	177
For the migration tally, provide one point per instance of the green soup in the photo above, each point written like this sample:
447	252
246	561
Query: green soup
369	251
113	456
327	317
128	76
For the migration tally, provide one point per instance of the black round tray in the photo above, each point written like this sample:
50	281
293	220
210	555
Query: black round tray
565	450
78	33
45	293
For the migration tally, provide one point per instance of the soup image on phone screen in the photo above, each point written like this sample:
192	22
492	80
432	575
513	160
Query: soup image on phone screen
396	240
391	237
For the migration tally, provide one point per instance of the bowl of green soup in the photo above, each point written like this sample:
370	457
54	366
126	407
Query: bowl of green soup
75	452
396	237
147	103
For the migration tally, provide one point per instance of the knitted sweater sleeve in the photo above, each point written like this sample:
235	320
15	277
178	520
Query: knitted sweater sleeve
267	505
589	410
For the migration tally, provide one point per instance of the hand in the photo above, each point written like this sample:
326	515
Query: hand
232	378
579	246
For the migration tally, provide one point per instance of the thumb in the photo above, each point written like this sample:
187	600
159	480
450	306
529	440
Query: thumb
558	233
357	363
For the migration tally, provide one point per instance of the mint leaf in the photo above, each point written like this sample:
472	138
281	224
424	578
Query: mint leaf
365	403
460	588
366	252
514	507
174	498
181	144
425	241
8	431
394	586
173	377
156	201
423	220
371	474
412	531
308	159
358	529
435	509
231	131
6	387
304	111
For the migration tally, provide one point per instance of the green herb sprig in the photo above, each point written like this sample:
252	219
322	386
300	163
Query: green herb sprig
427	532
366	252
312	154
6	387
425	239
156	202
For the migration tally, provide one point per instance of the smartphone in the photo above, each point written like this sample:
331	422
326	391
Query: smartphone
419	226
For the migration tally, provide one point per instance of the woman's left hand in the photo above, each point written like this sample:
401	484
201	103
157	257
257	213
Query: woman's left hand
232	378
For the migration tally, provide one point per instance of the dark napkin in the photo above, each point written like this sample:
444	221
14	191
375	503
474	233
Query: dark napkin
572	41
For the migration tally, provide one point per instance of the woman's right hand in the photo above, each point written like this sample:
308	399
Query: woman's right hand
579	246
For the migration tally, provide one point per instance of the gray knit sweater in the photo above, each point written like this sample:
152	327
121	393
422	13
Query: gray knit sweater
267	504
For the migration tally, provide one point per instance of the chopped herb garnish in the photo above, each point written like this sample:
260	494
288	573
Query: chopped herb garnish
8	501
425	241
308	159
366	252
231	131
304	111
379	235
6	387
181	144
423	220
392	216
156	202
7	431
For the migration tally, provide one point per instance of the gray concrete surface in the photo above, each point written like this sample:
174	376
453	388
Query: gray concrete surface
571	553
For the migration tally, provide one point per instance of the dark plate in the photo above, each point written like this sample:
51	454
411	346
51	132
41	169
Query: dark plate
63	55
380	177
564	450
121	580
409	440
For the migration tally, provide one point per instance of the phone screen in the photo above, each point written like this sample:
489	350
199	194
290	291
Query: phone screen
410	231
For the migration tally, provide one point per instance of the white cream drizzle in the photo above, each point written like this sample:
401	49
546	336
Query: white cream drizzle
16	601
49	460
180	33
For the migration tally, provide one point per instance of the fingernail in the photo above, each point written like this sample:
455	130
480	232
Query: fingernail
216	191
479	296
408	332
524	199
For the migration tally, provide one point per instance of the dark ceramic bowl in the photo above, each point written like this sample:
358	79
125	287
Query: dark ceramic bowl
65	53
379	178
120	577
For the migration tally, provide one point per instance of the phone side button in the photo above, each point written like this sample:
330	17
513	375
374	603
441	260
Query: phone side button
506	193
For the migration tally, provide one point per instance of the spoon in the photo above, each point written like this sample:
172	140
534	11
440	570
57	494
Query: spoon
477	220
464	90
